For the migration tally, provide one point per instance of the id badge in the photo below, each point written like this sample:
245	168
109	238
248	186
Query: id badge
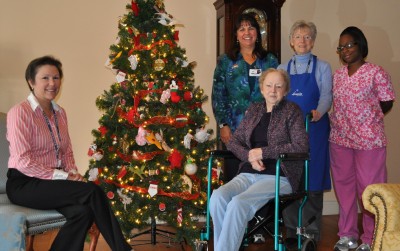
254	72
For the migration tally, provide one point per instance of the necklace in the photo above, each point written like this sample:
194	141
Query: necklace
295	67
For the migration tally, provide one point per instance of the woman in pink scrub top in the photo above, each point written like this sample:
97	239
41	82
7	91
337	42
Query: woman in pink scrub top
362	94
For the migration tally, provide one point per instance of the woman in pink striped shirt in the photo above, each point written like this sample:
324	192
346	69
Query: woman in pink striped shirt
42	172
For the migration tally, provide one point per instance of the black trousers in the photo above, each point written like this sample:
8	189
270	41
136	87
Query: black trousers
313	207
81	203
231	164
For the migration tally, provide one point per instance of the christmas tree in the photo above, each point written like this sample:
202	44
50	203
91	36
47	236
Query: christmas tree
151	149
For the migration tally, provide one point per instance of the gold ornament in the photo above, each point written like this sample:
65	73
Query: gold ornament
159	64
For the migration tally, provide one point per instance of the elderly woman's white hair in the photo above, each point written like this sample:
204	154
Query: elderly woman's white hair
301	24
283	73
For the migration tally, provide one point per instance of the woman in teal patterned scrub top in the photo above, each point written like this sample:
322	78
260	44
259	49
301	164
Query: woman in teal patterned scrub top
236	76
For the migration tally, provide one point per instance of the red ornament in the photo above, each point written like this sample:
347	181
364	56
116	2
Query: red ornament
176	159
175	98
180	121
162	207
110	195
176	35
187	96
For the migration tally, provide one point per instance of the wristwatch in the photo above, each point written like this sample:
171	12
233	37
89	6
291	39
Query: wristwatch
222	125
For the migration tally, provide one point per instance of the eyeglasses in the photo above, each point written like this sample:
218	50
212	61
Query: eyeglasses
300	37
347	46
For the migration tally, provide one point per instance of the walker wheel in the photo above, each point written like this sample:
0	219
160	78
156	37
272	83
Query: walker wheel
309	245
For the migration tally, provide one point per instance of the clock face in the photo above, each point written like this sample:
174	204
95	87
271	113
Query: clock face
261	18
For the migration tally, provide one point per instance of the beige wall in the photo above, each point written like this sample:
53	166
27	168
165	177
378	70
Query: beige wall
80	33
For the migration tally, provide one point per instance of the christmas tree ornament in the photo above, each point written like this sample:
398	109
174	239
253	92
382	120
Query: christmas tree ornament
180	61
151	139
110	195
134	62
187	95
162	206
165	96
159	64
175	159
166	147
190	167
92	150
154	172
93	173
159	4
124	144
179	217
187	184
180	120
141	137
201	135
176	38
110	66
175	98
187	139
163	18
139	171
173	86
153	188
125	199
120	76
116	57
98	155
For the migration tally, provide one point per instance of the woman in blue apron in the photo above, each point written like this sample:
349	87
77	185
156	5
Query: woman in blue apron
311	89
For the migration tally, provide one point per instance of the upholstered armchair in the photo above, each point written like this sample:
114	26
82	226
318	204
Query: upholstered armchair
383	200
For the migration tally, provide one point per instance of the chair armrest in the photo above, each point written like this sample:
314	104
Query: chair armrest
221	153
294	156
383	200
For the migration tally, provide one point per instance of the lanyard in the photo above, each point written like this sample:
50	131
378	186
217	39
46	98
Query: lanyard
56	146
295	67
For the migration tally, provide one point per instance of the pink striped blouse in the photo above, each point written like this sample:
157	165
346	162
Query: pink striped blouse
32	149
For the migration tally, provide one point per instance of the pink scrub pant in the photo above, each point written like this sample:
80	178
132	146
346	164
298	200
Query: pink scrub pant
352	171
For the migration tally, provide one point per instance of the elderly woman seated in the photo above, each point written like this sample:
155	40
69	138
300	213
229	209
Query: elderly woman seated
268	129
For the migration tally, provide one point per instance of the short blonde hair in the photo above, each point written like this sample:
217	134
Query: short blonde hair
283	73
301	24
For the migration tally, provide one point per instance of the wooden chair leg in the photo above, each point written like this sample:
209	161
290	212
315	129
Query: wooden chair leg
94	234
29	242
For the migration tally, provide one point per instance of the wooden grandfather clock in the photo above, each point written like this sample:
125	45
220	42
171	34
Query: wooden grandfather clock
268	14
